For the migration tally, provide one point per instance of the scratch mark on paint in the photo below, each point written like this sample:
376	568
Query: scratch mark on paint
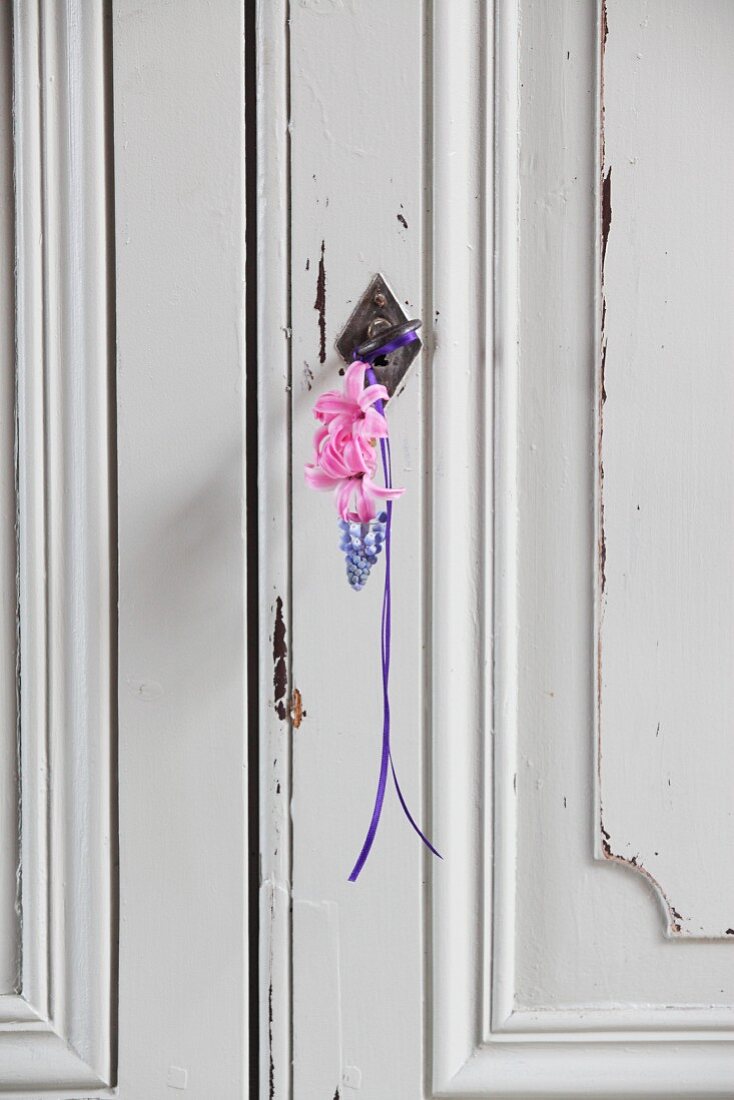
401	219
602	535
603	353
270	1037
606	221
606	214
320	303
297	711
307	376
308	264
280	668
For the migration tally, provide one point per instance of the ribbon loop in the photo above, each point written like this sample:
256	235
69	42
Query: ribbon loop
386	760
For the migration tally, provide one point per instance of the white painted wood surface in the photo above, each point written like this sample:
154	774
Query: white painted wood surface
667	642
9	804
127	360
522	966
357	169
57	1033
179	201
274	587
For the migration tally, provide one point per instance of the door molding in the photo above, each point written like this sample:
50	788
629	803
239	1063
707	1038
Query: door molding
483	1044
479	1041
274	553
58	1032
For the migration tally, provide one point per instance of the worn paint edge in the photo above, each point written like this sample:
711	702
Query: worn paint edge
280	660
674	920
274	385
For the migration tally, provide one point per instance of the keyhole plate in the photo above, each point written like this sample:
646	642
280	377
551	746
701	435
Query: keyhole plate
378	308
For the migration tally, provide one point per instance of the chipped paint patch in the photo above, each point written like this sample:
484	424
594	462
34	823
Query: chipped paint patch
606	221
606	211
280	663
675	920
178	1077
605	225
297	711
271	1073
320	302
352	1077
602	543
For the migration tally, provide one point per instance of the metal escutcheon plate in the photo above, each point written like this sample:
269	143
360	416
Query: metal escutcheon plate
378	309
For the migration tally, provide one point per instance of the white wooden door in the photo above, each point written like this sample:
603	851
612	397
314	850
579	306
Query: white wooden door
123	866
547	184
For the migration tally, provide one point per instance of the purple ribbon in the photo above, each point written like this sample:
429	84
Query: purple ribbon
386	760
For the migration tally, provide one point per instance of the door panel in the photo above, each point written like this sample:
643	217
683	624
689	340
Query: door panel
356	158
541	957
666	644
57	1031
178	83
122	552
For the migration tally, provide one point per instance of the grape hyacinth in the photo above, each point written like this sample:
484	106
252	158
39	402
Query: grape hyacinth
361	543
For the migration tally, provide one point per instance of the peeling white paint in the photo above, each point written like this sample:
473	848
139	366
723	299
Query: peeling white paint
667	645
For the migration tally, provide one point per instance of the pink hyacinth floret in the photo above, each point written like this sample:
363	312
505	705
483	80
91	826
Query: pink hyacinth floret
345	458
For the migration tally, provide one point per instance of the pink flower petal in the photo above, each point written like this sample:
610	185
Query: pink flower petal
332	463
343	452
365	505
344	445
343	497
333	404
380	491
360	457
354	381
317	479
343	422
373	393
318	441
373	426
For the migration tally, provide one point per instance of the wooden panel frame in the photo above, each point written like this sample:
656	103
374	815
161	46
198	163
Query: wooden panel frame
274	528
477	1044
481	1046
9	782
59	1032
179	194
688	913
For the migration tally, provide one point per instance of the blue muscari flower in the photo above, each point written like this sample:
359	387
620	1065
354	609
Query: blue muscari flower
361	544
